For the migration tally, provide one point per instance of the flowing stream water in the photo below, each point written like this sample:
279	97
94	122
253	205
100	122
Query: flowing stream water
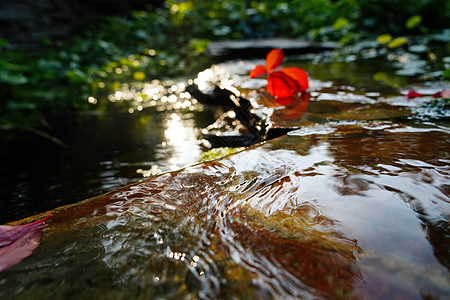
352	204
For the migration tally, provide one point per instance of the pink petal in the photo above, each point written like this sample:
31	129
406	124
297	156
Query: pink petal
442	94
445	94
20	248
9	234
18	242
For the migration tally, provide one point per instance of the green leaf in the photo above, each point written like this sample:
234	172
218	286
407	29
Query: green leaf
340	23
199	45
3	43
124	61
413	22
15	105
384	39
139	76
46	41
218	152
398	42
446	74
12	78
5	65
77	75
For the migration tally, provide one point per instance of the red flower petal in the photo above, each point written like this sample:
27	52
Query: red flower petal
414	94
441	94
274	59
299	76
281	85
258	71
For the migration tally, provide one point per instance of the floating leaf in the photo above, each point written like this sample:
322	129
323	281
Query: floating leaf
139	76
413	22
384	39
340	23
398	42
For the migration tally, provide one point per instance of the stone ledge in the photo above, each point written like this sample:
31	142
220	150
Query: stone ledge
260	47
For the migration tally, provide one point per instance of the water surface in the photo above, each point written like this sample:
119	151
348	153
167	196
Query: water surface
352	204
350	211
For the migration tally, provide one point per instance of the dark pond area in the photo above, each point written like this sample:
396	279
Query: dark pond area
352	204
104	152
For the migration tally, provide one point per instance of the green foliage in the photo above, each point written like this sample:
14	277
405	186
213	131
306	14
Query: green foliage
392	15
397	42
172	41
217	153
340	23
413	22
384	38
446	74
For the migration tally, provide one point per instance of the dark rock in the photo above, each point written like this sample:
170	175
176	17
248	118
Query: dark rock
260	48
232	136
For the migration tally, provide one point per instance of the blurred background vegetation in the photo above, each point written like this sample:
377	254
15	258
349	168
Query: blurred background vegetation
40	80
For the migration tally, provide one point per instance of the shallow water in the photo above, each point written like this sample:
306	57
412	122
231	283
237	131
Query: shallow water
351	211
353	204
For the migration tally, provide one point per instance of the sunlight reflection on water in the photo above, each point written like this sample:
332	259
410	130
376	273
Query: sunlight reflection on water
183	138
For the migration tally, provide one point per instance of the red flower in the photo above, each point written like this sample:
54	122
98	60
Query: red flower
281	83
414	94
441	94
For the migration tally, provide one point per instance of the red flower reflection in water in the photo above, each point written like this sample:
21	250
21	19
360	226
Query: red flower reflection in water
294	107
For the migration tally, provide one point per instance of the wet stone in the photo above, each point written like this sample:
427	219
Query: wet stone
333	211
